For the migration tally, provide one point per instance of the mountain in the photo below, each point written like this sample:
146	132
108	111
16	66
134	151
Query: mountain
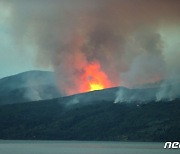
28	86
99	120
117	113
41	85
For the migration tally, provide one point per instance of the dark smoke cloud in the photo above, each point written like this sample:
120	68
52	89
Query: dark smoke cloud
125	36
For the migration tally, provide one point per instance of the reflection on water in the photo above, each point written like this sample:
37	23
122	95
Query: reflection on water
82	147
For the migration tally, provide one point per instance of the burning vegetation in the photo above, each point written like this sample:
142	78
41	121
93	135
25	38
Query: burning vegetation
94	78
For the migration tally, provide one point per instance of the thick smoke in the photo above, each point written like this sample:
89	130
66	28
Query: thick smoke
127	38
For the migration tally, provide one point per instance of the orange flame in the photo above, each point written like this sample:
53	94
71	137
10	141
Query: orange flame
82	75
94	78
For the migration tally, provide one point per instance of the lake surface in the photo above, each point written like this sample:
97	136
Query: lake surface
82	147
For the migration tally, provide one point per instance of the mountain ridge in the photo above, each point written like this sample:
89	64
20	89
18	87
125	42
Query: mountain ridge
28	86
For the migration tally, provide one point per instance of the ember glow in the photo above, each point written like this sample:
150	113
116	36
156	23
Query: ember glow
94	78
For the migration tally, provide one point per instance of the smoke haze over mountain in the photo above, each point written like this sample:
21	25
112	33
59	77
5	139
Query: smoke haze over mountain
132	42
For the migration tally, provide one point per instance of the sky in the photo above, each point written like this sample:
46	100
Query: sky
130	42
15	56
12	60
18	50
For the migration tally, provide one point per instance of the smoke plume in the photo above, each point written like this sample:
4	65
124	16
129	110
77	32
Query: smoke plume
132	42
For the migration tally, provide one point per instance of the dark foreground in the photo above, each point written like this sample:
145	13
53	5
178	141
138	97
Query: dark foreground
101	120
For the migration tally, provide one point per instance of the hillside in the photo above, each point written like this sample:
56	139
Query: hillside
101	120
28	86
31	107
41	85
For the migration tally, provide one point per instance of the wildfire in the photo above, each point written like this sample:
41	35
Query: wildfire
82	75
94	78
96	87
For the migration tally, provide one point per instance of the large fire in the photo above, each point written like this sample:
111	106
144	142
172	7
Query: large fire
91	78
82	74
94	78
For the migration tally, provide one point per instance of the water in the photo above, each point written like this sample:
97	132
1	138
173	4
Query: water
82	147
